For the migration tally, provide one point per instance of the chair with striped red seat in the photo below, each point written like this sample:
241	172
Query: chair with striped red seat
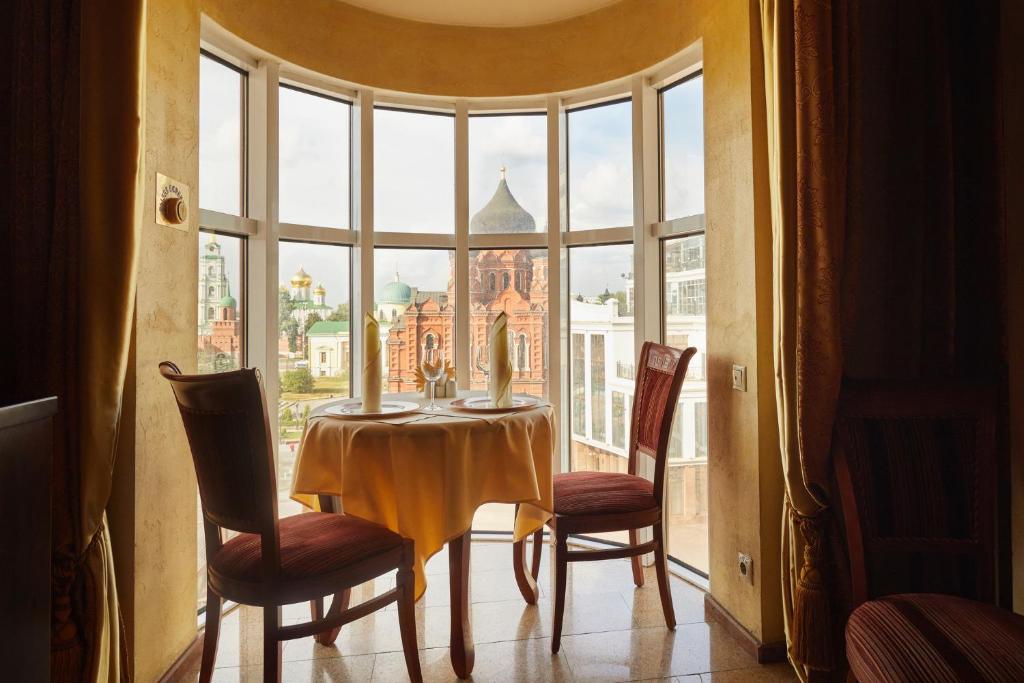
596	502
275	562
915	464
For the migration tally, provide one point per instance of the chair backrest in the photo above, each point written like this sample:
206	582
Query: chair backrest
658	382
915	464
225	417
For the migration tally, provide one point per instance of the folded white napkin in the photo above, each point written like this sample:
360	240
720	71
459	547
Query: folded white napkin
371	364
499	384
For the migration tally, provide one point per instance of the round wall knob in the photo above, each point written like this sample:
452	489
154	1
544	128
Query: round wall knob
175	210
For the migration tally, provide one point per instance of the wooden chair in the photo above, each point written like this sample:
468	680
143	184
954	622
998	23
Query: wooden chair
916	469
275	562
596	502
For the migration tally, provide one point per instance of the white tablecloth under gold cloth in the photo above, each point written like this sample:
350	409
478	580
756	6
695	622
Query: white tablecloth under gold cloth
425	478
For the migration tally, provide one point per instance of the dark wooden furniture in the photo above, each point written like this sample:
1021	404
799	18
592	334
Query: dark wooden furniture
915	465
595	502
26	462
275	562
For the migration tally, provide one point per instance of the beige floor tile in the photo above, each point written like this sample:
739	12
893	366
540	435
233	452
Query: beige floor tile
509	661
645	602
652	652
374	633
340	670
612	631
771	673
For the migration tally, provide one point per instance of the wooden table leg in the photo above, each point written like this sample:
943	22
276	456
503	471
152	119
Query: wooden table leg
462	653
527	580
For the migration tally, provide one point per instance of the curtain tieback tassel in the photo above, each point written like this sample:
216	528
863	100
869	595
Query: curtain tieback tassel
812	603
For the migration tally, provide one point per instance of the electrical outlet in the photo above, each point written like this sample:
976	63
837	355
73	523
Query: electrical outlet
739	377
746	567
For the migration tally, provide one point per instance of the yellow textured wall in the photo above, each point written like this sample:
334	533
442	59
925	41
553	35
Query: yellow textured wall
153	514
330	37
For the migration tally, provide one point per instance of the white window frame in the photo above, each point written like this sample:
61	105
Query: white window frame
264	231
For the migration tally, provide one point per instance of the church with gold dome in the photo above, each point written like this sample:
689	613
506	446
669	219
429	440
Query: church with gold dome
306	301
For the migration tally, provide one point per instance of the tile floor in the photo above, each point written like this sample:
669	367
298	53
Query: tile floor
612	632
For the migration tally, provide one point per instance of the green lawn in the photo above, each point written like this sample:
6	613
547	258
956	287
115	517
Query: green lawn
322	387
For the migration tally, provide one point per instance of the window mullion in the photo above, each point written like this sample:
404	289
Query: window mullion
262	158
362	216
558	292
462	308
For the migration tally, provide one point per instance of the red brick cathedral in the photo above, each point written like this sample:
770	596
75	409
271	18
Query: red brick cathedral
511	280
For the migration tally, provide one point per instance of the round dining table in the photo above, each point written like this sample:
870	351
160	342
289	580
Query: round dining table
424	474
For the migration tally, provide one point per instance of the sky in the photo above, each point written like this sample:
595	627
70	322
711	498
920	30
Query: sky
414	176
600	167
519	144
314	160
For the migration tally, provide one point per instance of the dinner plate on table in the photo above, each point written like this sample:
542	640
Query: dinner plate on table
483	404
353	410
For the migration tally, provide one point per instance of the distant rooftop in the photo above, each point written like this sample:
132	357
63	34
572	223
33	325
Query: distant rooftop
328	328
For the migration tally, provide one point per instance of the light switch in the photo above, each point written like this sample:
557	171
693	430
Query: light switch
739	377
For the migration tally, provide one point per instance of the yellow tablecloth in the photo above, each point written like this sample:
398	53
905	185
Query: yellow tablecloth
426	478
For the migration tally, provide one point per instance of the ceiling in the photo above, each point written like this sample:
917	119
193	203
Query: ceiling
487	13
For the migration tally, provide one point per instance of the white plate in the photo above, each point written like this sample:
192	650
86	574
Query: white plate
354	410
483	404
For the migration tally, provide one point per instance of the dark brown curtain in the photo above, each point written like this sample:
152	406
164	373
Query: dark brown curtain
71	154
888	245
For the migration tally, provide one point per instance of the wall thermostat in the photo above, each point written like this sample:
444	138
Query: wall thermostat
171	202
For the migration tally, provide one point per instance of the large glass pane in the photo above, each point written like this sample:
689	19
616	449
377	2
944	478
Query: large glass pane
220	337
682	108
414	301
314	159
687	470
601	166
221	94
508	173
513	281
413	171
601	356
313	344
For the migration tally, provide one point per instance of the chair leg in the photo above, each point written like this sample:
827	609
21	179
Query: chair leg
561	569
538	546
339	603
271	644
211	636
407	623
638	567
662	569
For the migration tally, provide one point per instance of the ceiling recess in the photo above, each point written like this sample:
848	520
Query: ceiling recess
476	13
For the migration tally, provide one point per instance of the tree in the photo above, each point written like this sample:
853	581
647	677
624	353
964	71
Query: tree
340	313
299	381
287	416
290	329
285	305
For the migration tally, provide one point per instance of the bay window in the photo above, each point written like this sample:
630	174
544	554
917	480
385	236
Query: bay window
330	201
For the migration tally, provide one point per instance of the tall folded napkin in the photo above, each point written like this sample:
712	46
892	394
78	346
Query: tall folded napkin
499	386
371	364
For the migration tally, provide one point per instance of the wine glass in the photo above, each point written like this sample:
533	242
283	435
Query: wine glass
432	365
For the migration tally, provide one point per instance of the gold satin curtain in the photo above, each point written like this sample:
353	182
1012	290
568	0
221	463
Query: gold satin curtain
806	54
887	244
75	198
